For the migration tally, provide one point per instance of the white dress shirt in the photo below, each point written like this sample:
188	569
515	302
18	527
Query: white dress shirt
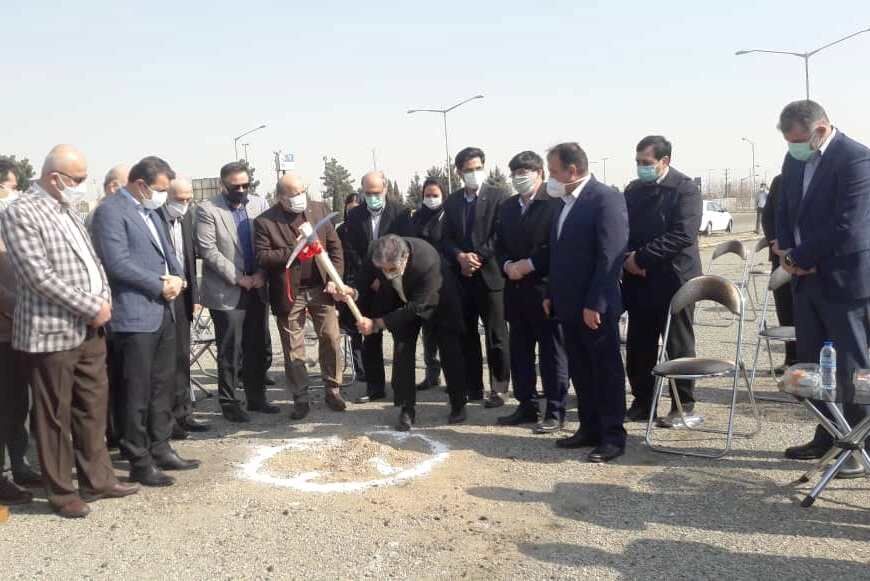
376	223
569	200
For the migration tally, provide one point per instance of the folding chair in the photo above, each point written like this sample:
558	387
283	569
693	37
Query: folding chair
758	268
736	248
202	341
769	333
727	294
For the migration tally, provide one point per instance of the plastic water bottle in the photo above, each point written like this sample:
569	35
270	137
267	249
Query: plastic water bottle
828	368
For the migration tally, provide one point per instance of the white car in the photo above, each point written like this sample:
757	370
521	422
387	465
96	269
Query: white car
715	218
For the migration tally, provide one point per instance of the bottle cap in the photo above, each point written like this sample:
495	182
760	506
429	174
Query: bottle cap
829	343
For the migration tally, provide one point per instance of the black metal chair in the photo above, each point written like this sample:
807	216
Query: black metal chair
727	294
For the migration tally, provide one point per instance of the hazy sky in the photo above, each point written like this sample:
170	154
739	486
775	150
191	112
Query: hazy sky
180	79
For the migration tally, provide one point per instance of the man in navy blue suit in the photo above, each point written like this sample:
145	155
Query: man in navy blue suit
145	278
823	237
587	248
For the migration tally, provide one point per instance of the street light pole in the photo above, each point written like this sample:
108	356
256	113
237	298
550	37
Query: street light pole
752	173
236	139
444	113
804	55
245	149
604	169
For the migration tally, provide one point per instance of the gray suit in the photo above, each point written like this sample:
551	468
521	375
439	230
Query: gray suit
240	316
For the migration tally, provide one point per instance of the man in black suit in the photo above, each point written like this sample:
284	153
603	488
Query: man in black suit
522	247
587	250
366	223
179	230
412	288
469	245
426	223
823	239
664	215
782	296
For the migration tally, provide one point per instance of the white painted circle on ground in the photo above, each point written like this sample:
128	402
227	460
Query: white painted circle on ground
255	468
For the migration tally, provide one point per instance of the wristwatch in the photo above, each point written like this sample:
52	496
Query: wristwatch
788	260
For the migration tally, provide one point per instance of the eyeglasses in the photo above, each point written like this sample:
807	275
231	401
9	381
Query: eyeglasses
75	180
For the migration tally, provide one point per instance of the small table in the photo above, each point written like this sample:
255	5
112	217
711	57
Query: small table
848	440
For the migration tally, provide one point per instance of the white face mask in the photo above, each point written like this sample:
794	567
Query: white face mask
474	179
556	189
433	203
177	209
297	204
72	195
524	184
157	199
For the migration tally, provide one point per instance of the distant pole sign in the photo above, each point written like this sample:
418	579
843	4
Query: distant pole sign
287	162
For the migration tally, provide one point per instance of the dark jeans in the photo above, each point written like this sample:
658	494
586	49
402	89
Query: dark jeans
182	407
546	334
240	334
595	364
478	302
14	407
148	374
645	327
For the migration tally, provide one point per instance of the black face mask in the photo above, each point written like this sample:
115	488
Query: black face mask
237	197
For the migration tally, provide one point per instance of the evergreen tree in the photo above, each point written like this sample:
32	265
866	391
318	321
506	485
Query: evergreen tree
23	172
336	184
393	193
414	195
498	180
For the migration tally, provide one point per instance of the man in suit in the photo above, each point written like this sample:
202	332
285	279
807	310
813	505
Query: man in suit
468	244
233	290
412	288
366	223
823	239
178	222
63	304
664	216
522	248
146	279
782	297
587	249
426	224
299	293
345	319
14	391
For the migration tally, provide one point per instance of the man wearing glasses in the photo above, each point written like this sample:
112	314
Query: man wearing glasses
233	289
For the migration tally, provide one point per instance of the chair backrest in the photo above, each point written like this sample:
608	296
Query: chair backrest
778	278
762	244
730	247
709	287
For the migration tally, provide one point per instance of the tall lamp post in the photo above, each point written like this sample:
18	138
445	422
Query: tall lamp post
752	173
804	55
245	147
236	139
444	113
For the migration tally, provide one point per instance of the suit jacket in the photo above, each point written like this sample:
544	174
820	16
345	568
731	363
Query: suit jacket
275	234
586	260
190	295
427	225
482	234
8	294
357	235
663	224
520	235
768	217
134	264
833	218
431	292
217	242
54	299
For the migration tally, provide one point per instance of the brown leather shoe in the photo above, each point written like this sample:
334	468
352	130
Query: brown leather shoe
76	508
118	490
334	400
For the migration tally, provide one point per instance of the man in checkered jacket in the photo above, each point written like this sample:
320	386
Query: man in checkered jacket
63	304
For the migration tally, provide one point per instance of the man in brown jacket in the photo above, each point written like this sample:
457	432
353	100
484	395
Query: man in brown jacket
301	291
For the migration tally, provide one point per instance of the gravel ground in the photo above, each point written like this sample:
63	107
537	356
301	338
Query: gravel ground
503	504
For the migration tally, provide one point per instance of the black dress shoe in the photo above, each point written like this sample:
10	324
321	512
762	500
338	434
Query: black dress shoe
362	399
457	415
577	440
424	385
493	401
178	433
263	408
637	412
475	396
235	414
810	451
524	414
191	424
605	453
151	476
406	419
172	461
268	381
548	426
26	476
300	410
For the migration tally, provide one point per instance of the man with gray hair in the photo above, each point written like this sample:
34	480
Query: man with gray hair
406	283
823	237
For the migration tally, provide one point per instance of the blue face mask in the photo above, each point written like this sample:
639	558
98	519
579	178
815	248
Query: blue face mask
800	151
647	173
375	202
